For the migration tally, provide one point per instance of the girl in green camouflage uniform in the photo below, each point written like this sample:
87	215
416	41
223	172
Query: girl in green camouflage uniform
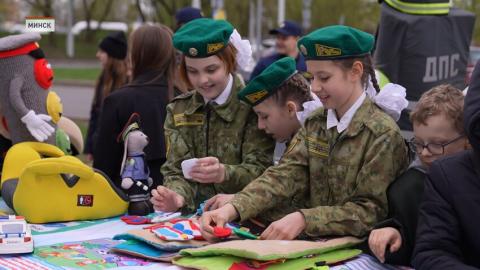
341	162
209	123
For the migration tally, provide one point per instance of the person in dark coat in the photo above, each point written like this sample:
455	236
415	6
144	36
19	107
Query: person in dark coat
448	234
286	37
438	131
112	53
153	65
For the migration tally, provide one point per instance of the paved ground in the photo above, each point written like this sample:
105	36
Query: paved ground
76	100
76	63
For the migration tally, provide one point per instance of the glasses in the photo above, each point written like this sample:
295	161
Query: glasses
433	148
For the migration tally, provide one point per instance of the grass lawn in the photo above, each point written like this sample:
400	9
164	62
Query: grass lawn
83	74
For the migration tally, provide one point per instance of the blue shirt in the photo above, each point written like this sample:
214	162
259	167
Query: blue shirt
264	62
136	168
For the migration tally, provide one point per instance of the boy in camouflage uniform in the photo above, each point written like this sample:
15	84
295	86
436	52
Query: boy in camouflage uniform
341	161
209	123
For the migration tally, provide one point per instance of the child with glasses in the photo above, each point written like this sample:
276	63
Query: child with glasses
438	131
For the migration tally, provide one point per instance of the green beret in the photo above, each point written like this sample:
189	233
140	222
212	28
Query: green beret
202	37
335	42
267	82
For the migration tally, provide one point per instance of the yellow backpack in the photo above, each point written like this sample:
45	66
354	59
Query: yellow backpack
42	184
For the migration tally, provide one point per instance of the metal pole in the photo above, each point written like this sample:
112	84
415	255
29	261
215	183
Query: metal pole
281	12
70	37
197	4
258	25
251	21
306	15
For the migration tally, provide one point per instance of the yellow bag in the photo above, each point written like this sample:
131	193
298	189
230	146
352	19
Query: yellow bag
59	188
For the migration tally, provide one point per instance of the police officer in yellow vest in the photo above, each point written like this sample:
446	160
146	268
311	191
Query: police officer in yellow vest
209	124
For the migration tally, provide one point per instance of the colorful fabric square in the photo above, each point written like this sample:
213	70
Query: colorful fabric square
152	239
267	82
171	234
271	249
203	37
177	230
228	262
335	42
143	250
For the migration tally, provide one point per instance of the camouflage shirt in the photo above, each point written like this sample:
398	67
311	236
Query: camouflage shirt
229	132
341	178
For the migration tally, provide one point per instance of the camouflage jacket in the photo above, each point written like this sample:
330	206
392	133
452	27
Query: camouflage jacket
340	178
231	135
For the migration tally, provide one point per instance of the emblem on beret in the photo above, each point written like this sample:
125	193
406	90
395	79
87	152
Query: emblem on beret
254	97
303	49
323	50
212	48
192	51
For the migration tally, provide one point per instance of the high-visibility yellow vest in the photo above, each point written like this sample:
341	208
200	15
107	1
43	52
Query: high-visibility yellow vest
421	7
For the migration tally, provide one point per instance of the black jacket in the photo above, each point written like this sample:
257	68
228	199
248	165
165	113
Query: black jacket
448	233
147	98
404	197
94	117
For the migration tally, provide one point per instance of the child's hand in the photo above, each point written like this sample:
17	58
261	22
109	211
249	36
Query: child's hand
379	239
166	200
217	201
216	218
208	170
286	228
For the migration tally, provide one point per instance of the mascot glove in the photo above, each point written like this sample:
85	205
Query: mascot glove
38	126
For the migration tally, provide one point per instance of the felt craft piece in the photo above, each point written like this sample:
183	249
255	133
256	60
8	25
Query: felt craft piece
271	249
222	232
143	250
59	188
171	234
227	262
150	238
135	220
177	230
244	234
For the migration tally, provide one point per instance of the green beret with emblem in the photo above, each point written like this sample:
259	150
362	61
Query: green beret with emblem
202	37
335	42
267	82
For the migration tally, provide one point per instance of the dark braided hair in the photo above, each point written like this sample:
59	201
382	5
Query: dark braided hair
368	69
296	88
